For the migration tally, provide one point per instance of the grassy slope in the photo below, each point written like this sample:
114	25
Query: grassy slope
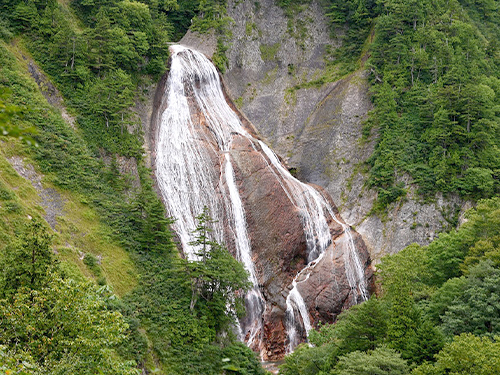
79	229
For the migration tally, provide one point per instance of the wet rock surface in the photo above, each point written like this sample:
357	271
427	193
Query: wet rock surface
276	231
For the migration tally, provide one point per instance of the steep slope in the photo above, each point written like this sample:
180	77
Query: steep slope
305	264
31	193
275	62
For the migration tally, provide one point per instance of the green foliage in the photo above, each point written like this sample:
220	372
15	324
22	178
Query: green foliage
189	307
51	325
219	58
93	264
465	304
15	363
435	82
435	93
475	308
27	261
362	327
216	277
163	333
484	224
242	360
446	254
405	271
107	100
381	361
212	15
8	112
268	52
465	355
403	321
425	343
65	327
98	64
357	17
443	297
411	333
307	360
477	239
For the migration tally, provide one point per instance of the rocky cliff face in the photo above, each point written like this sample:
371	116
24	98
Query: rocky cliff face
316	130
330	274
280	253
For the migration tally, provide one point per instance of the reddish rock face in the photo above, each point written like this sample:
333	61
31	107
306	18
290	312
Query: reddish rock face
278	242
280	251
327	292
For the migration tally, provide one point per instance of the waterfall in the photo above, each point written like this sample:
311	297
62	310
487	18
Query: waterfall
194	169
185	159
254	302
314	209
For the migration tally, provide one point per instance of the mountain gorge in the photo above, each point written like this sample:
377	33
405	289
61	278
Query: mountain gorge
333	134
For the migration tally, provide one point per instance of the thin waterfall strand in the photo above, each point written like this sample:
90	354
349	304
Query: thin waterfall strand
253	300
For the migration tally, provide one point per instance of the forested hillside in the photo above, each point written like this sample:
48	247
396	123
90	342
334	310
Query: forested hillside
434	72
102	289
99	286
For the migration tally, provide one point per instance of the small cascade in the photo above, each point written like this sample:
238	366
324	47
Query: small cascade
353	267
294	303
254	302
314	209
195	168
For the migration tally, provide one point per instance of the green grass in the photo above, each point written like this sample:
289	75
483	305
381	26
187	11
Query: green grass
268	51
79	228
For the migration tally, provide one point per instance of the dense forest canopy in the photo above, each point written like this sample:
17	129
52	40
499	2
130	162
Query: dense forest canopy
435	79
434	69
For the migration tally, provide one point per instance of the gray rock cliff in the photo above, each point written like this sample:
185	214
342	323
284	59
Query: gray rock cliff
318	130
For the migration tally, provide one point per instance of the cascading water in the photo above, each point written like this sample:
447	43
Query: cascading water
185	172
194	169
253	300
314	211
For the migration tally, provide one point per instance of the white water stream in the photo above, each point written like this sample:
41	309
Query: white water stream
194	170
315	210
185	165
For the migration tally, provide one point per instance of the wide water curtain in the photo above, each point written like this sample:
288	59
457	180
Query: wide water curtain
195	168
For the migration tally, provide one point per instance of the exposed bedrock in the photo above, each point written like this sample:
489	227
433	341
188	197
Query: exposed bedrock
317	130
330	273
280	251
